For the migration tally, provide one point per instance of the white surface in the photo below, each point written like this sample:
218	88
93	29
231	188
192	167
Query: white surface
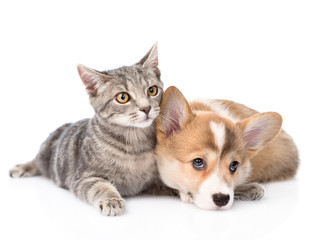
267	55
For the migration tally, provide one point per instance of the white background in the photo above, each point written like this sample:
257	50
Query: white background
268	55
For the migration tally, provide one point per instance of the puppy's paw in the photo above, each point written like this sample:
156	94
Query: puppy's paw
250	191
186	197
111	206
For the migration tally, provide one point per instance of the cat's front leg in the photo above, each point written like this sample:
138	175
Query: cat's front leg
249	191
101	194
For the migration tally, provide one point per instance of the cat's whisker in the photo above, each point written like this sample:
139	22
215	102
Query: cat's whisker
168	119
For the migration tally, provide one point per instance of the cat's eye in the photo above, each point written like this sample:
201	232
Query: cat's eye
152	91
199	164
122	97
233	166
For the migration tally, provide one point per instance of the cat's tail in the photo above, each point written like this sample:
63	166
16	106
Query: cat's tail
28	169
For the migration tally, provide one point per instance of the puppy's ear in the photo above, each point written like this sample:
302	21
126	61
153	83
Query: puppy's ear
92	79
175	112
151	61
260	129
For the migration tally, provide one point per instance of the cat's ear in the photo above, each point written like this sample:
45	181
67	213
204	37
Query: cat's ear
91	79
151	60
175	112
260	129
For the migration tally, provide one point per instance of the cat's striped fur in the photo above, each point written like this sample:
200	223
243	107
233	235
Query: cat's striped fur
110	155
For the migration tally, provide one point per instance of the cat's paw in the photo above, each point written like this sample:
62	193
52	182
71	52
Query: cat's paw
111	206
24	170
250	191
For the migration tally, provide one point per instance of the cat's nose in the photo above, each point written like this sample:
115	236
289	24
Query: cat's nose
146	110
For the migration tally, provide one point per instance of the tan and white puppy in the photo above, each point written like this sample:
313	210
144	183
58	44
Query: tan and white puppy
213	151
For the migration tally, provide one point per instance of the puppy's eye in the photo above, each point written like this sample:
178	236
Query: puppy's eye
198	164
152	91
122	97
233	166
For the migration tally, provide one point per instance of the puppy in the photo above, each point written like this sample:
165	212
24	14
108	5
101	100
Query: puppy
213	151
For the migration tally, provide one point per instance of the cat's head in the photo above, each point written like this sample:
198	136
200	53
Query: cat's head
128	96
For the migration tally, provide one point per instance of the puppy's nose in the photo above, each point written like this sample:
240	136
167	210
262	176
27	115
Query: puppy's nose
221	199
146	110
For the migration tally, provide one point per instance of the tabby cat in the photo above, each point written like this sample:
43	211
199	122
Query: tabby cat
109	156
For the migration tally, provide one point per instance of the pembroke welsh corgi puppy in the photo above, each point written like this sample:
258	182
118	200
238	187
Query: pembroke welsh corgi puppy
213	151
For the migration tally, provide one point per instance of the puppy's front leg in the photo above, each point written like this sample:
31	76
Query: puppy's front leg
158	188
249	191
101	194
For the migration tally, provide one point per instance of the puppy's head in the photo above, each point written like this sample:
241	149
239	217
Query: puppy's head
205	156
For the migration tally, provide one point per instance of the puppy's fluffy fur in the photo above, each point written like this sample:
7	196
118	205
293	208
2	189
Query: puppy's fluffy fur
210	149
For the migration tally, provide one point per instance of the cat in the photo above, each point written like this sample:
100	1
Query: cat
110	156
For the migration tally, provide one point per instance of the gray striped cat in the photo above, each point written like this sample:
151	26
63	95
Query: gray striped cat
109	156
